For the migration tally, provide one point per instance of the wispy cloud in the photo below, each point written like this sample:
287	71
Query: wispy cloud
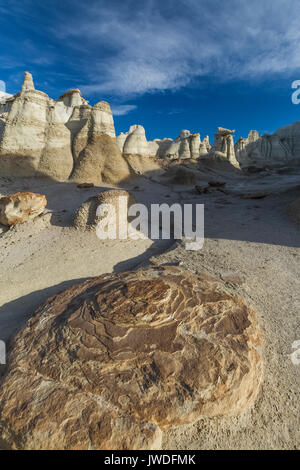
122	109
128	48
2	86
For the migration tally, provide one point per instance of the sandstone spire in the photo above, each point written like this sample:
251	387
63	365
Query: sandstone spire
28	82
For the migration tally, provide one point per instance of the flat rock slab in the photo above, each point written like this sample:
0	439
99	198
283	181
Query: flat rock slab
111	362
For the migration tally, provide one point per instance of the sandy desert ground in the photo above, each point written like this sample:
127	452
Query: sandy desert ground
250	244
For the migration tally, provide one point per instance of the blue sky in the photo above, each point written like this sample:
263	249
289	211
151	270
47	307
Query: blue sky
165	64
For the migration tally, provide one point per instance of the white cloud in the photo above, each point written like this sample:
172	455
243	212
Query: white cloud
122	109
139	47
2	86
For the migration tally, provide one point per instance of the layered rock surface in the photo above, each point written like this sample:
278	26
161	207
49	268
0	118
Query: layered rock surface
111	362
19	207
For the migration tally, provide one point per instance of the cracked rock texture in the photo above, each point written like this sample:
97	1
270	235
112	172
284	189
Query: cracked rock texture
112	362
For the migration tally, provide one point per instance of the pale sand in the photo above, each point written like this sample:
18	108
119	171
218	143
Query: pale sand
251	244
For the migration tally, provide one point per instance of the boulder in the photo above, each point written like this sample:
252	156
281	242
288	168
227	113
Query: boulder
86	217
20	207
182	176
112	362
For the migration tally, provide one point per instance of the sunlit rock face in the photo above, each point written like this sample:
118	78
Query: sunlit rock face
33	140
20	207
223	146
43	137
185	146
137	144
112	362
134	142
204	147
270	150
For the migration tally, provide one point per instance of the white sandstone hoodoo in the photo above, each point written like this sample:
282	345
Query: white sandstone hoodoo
270	150
69	139
40	136
185	146
223	145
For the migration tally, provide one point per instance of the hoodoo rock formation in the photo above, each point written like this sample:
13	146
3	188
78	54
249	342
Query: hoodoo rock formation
95	149
140	154
137	144
186	145
69	139
111	362
224	146
270	150
41	136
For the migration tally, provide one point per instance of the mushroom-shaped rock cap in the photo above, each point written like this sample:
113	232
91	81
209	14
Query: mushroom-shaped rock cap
72	91
184	134
109	363
224	132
